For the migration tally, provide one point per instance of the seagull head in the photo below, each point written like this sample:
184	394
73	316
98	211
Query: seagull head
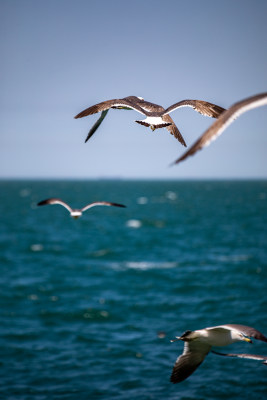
238	336
244	338
187	336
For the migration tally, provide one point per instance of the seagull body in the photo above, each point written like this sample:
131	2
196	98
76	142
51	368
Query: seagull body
199	343
77	212
156	115
223	121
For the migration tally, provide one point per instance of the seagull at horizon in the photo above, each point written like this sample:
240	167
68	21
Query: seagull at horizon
77	212
199	343
156	116
223	121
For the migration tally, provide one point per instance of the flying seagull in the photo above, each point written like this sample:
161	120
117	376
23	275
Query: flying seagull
199	343
223	121
77	212
248	356
156	115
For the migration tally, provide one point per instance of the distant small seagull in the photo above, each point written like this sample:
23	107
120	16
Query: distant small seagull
77	212
248	356
156	116
199	343
223	121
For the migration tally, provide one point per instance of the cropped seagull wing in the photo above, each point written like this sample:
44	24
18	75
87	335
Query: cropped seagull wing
246	330
55	201
96	125
101	203
249	356
106	105
203	107
193	355
223	121
173	129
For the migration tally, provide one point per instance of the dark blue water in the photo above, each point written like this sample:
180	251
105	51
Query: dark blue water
83	301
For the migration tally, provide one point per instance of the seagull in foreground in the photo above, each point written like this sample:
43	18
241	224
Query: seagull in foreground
223	121
199	343
156	116
77	212
248	356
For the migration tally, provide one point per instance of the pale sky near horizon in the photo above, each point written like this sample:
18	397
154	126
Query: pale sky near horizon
59	57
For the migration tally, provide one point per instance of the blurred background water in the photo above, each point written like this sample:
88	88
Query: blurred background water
88	306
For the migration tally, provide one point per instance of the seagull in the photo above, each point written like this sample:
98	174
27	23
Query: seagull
223	121
77	212
156	115
199	343
248	356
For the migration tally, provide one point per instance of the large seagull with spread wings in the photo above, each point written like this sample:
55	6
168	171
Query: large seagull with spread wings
156	115
77	212
197	345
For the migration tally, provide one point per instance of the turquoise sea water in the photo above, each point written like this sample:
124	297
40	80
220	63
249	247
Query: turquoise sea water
83	301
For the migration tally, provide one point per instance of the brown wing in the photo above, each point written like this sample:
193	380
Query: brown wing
102	203
193	355
203	107
173	129
106	105
55	201
223	121
146	105
247	331
242	355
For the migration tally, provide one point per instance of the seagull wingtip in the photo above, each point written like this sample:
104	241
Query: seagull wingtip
173	163
88	136
42	203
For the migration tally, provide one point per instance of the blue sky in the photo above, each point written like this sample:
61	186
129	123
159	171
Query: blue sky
59	57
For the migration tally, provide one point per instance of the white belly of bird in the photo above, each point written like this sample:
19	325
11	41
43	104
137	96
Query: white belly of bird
154	120
75	214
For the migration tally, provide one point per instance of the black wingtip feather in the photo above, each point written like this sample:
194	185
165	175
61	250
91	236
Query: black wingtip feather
42	203
119	205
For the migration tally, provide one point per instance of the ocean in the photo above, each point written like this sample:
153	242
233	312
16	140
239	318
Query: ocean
89	306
